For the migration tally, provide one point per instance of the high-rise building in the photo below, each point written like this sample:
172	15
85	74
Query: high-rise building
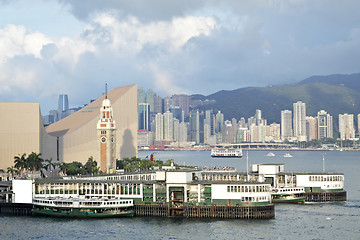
167	103
178	113
197	126
346	126
242	122
228	135
183	133
176	133
274	132
158	104
258	116
168	126
140	95
219	122
159	127
183	101
299	122
311	128
150	99
286	124
358	123
63	104
144	116
210	121
325	125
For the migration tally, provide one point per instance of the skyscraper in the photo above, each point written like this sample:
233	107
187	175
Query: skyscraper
150	99
168	126
159	127
286	124
140	95
258	116
346	126
197	126
144	116
219	122
63	104
299	122
158	104
325	125
178	113
311	128
183	101
358	123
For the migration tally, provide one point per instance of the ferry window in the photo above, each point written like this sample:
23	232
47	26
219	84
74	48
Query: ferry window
246	188
228	188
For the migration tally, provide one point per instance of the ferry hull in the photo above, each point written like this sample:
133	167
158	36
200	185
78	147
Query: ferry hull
300	200
217	156
75	213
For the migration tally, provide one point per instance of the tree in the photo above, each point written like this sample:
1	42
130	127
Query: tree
49	164
12	171
91	166
34	162
20	163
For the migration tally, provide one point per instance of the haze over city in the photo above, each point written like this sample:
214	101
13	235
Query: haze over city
74	47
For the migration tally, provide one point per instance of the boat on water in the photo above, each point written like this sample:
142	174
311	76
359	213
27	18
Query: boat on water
271	154
288	195
226	153
83	208
288	155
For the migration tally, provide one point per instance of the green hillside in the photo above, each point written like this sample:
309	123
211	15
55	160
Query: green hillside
332	97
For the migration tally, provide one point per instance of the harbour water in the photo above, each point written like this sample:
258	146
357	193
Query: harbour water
310	221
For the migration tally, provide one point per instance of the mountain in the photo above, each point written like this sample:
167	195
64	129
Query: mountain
335	94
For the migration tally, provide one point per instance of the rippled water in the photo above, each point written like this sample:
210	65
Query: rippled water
311	221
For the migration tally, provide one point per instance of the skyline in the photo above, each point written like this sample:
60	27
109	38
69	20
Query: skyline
177	47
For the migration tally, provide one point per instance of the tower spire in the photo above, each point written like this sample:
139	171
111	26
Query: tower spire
105	90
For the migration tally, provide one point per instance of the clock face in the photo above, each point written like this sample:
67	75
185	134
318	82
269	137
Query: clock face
103	139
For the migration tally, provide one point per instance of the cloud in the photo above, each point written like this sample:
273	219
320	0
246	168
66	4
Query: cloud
178	47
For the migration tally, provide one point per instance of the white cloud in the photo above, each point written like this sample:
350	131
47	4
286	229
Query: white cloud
15	40
133	34
165	82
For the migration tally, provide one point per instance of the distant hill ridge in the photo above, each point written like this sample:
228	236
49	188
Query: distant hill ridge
335	94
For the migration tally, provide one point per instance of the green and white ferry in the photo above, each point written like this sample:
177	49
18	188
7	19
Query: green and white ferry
83	208
288	195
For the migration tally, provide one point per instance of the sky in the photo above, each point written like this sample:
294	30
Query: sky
52	47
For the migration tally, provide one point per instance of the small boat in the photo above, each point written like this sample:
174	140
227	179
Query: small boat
83	208
270	154
288	155
288	195
226	153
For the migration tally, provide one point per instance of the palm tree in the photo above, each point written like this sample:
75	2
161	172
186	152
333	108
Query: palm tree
91	166
50	164
34	161
20	163
63	167
12	171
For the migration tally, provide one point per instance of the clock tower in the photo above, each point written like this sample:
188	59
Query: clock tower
106	132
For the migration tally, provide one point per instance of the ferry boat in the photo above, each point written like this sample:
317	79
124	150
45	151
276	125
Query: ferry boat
288	155
270	154
83	208
226	153
288	195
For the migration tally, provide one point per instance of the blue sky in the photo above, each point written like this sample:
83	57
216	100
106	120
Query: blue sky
190	46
